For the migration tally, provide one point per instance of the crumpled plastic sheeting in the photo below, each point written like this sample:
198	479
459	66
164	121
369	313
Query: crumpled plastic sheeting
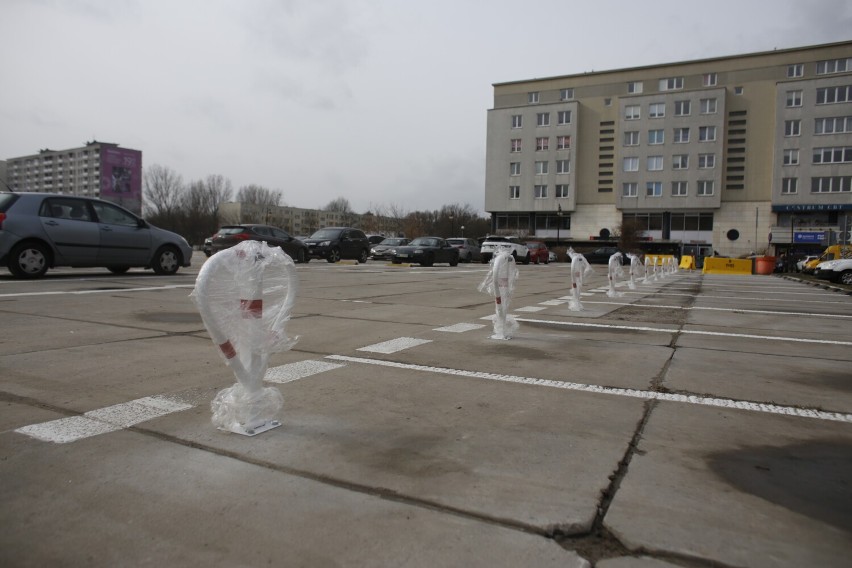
614	272
580	269
245	295
636	270
500	282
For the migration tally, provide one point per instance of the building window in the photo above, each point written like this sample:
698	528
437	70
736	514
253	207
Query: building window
794	99
656	136
671	84
706	133
657	110
791	157
563	142
680	162
681	135
792	127
705	188
796	70
516	145
739	90
634	87
542	143
833	155
833	125
708	106
543	119
563	117
566	94
833	95
630	189
631	164
631	138
655	163
540	192
679	189
533	97
517	121
540	168
562	191
706	161
683	108
632	112
834	66
710	79
789	186
654	189
563	166
515	169
835	184
514	192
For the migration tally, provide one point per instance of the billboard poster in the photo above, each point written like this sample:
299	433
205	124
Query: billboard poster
121	177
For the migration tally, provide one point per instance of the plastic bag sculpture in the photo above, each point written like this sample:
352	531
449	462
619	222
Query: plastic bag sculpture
650	269
245	295
614	272
500	282
580	269
636	270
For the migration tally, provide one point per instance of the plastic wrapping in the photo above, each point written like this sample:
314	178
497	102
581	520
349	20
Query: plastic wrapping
614	272
245	295
500	282
650	269
580	269
636	270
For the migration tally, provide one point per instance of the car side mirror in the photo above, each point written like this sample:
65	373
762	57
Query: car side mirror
142	224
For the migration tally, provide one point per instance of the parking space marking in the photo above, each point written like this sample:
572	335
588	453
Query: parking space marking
103	420
632	393
707	308
460	327
110	291
687	331
738	298
299	370
530	309
394	345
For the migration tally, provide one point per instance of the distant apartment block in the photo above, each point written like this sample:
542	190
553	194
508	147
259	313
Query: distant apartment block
736	154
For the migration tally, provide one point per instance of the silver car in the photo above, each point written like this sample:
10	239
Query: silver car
468	249
45	230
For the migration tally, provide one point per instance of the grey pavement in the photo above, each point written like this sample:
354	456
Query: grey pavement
694	421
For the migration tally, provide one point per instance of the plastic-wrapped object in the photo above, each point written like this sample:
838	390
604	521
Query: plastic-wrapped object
650	269
614	272
500	282
580	269
245	295
636	270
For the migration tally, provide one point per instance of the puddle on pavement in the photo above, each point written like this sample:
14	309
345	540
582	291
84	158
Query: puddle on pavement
813	479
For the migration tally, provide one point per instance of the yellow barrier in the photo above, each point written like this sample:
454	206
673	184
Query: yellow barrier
717	265
687	262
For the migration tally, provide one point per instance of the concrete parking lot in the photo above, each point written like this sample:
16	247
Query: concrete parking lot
695	421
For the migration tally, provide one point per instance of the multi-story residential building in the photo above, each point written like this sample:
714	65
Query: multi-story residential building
98	169
737	154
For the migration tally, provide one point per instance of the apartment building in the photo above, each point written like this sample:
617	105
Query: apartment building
740	154
98	169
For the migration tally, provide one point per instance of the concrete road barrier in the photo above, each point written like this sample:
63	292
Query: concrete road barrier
717	265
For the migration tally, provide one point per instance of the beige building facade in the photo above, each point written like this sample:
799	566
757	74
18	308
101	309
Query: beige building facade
740	154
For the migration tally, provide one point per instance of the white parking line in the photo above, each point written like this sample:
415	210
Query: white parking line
738	310
394	345
299	370
633	393
460	327
103	420
109	291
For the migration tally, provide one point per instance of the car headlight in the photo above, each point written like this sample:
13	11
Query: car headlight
324	243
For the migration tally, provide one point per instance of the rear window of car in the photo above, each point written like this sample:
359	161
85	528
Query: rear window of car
393	242
326	234
231	230
6	200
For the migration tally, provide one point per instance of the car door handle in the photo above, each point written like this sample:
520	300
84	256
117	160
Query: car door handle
52	223
105	228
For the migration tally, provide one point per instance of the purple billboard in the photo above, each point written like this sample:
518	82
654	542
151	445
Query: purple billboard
121	177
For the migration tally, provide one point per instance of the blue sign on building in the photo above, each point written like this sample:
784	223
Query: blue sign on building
812	237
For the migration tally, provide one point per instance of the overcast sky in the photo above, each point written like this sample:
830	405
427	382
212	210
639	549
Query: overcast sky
378	101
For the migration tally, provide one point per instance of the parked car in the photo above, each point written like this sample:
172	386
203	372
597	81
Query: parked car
551	256
39	231
468	249
426	251
538	252
375	239
382	251
832	252
335	243
493	243
839	270
232	235
601	255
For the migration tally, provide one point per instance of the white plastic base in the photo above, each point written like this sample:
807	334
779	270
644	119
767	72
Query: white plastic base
255	430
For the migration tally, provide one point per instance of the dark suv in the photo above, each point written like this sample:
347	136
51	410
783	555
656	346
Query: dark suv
231	235
334	243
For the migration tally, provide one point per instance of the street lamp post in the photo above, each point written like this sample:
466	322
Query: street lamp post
462	231
452	225
558	223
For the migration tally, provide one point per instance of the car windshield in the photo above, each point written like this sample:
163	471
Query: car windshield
456	241
424	242
231	230
393	242
326	234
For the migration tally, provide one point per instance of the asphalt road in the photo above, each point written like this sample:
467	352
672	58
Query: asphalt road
694	421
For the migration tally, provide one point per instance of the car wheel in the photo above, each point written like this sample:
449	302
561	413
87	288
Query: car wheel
846	277
166	261
363	258
454	261
301	256
29	260
334	255
118	269
428	261
527	259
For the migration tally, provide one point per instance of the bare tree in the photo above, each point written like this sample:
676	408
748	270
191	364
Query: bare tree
162	189
630	235
258	195
341	205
